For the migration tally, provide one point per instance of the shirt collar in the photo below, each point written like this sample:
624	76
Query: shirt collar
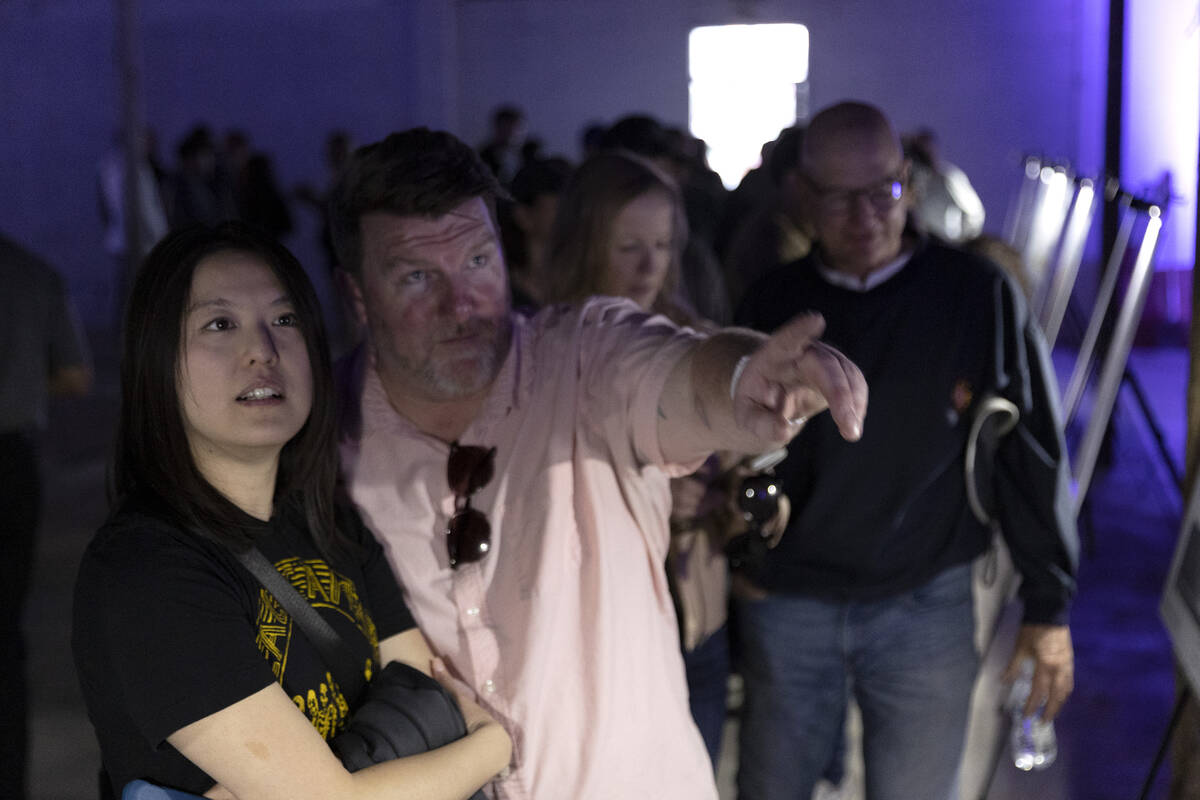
870	280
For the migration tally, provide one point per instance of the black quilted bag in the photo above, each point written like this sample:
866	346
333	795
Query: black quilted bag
404	712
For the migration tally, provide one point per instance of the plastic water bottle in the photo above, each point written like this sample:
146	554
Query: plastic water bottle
1034	745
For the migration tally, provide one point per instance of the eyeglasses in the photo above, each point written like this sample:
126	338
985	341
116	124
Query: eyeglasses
468	533
883	196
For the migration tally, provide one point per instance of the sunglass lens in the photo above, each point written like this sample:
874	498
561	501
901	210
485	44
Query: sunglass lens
468	537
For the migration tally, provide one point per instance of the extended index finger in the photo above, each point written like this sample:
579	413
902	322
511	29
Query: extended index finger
823	370
846	395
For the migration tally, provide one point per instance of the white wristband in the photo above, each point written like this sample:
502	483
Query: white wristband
738	368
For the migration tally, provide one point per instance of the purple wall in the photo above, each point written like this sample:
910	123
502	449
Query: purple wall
287	73
995	80
57	93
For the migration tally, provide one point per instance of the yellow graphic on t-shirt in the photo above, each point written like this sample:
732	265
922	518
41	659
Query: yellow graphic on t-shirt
274	631
325	706
324	588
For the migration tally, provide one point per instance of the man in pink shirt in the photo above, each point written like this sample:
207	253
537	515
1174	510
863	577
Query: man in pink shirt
536	569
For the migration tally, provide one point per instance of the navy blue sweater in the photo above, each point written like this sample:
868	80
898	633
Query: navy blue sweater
883	515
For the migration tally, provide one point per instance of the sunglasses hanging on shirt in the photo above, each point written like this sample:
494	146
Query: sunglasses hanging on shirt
468	533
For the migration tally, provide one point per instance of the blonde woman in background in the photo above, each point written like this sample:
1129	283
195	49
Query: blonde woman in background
620	231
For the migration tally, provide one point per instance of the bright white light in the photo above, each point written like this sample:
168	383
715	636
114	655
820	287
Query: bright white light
740	53
1161	118
1081	216
1049	217
1055	200
743	90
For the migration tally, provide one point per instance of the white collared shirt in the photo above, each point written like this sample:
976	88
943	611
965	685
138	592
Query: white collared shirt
868	281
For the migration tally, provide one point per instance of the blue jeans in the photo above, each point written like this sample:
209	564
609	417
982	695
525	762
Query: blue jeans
910	661
708	677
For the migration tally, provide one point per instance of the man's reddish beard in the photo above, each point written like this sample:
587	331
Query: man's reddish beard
446	379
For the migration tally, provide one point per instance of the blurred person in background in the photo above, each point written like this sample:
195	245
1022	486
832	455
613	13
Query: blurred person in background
701	280
525	223
944	203
869	593
776	230
111	177
620	232
502	152
42	353
200	189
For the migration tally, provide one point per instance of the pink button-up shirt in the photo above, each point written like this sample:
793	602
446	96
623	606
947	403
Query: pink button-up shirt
566	628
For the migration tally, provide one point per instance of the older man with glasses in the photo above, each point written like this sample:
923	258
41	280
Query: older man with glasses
869	592
516	468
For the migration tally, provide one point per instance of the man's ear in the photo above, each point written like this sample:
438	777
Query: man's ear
351	286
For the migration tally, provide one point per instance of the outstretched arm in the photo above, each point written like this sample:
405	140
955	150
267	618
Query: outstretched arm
710	403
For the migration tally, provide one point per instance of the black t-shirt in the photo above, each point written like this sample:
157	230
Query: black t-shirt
169	628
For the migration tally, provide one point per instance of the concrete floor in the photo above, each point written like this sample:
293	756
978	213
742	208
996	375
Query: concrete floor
1108	733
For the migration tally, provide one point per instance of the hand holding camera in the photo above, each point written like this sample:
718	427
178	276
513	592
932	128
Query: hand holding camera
764	511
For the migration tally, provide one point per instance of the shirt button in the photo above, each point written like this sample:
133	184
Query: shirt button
489	686
473	611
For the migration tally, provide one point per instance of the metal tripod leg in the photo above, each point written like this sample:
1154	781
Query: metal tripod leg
1108	285
1117	356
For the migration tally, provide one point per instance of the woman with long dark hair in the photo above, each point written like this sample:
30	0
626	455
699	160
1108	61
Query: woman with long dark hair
194	676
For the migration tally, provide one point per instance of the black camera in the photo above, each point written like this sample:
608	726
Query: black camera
758	499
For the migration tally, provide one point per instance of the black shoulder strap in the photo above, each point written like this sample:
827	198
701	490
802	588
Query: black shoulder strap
319	632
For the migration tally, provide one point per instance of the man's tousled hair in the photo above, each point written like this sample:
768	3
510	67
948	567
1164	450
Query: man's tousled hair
418	172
